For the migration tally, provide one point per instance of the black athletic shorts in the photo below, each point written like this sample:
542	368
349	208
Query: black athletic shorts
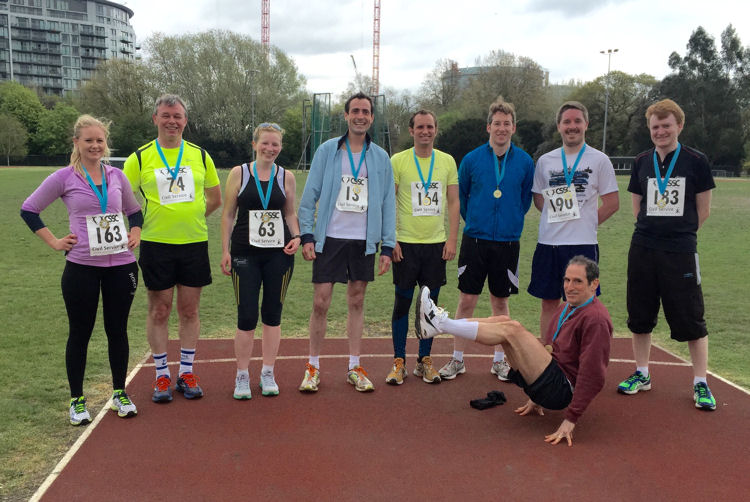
421	264
343	260
673	278
165	265
552	390
495	261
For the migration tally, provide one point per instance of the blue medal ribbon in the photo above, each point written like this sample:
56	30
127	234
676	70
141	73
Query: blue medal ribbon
570	175
264	198
103	195
351	159
500	172
176	170
561	320
429	176
663	182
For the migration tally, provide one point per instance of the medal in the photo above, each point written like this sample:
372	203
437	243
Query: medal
568	195
175	188
662	203
497	194
104	223
549	348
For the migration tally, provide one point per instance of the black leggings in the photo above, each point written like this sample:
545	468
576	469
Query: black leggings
80	289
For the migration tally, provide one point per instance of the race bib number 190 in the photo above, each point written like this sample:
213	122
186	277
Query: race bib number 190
179	189
107	234
669	203
266	229
563	204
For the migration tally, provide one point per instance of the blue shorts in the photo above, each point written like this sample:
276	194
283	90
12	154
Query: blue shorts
548	268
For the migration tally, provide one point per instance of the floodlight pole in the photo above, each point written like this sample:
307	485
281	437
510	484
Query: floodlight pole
608	53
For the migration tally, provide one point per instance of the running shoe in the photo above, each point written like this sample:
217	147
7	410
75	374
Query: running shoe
634	383
162	390
425	370
122	404
428	316
501	369
452	369
398	372
311	380
79	414
704	400
242	386
187	383
268	385
357	376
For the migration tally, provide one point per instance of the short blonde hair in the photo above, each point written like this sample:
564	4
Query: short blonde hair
502	106
81	123
663	108
267	127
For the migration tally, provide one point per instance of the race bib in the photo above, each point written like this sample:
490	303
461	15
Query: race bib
107	234
563	204
426	204
266	229
669	203
352	195
173	190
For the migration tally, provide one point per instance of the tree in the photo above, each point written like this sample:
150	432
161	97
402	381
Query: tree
462	137
702	84
440	88
53	136
21	103
123	92
228	83
13	137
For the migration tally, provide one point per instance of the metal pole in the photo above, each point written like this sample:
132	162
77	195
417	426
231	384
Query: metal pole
608	52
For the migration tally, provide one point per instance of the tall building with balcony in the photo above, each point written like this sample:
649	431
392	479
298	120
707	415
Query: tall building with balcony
55	45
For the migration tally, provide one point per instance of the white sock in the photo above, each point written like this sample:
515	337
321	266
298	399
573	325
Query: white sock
460	328
499	356
643	370
186	360
160	361
699	379
243	372
314	361
458	355
353	362
266	369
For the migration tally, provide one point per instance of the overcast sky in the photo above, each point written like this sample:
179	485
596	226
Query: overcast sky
563	36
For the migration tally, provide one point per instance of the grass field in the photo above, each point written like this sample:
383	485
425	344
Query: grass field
34	432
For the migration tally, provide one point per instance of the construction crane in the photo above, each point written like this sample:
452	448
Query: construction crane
265	26
376	49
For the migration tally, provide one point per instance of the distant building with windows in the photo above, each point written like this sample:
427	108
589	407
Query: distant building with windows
55	45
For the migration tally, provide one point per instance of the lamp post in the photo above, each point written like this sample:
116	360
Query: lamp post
608	53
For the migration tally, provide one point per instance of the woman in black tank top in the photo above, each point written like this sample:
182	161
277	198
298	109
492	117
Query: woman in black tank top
259	237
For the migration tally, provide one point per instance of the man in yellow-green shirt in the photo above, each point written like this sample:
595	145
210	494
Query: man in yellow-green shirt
426	183
180	188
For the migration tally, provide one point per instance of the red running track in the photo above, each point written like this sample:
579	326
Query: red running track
408	442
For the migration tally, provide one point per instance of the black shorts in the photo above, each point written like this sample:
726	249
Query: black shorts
421	264
343	260
552	390
165	265
495	261
673	278
272	270
548	268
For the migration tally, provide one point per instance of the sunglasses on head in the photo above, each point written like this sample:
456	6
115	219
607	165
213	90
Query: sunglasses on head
271	125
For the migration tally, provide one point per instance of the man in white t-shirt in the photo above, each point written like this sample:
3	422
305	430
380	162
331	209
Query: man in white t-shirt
568	184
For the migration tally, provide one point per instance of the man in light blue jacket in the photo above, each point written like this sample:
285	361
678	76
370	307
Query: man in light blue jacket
348	208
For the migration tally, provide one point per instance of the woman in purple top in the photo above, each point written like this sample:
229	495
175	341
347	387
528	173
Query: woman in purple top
99	256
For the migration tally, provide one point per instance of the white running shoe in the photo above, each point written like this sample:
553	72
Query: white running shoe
242	386
428	316
501	369
268	385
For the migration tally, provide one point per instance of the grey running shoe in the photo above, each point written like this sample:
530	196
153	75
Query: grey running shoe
452	369
268	385
501	369
187	383
162	390
242	386
79	414
122	404
428	316
425	370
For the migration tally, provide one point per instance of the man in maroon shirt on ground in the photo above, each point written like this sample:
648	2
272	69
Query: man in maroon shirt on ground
570	372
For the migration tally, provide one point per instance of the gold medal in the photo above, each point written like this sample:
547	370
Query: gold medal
568	195
175	188
549	348
104	223
356	189
662	203
497	193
